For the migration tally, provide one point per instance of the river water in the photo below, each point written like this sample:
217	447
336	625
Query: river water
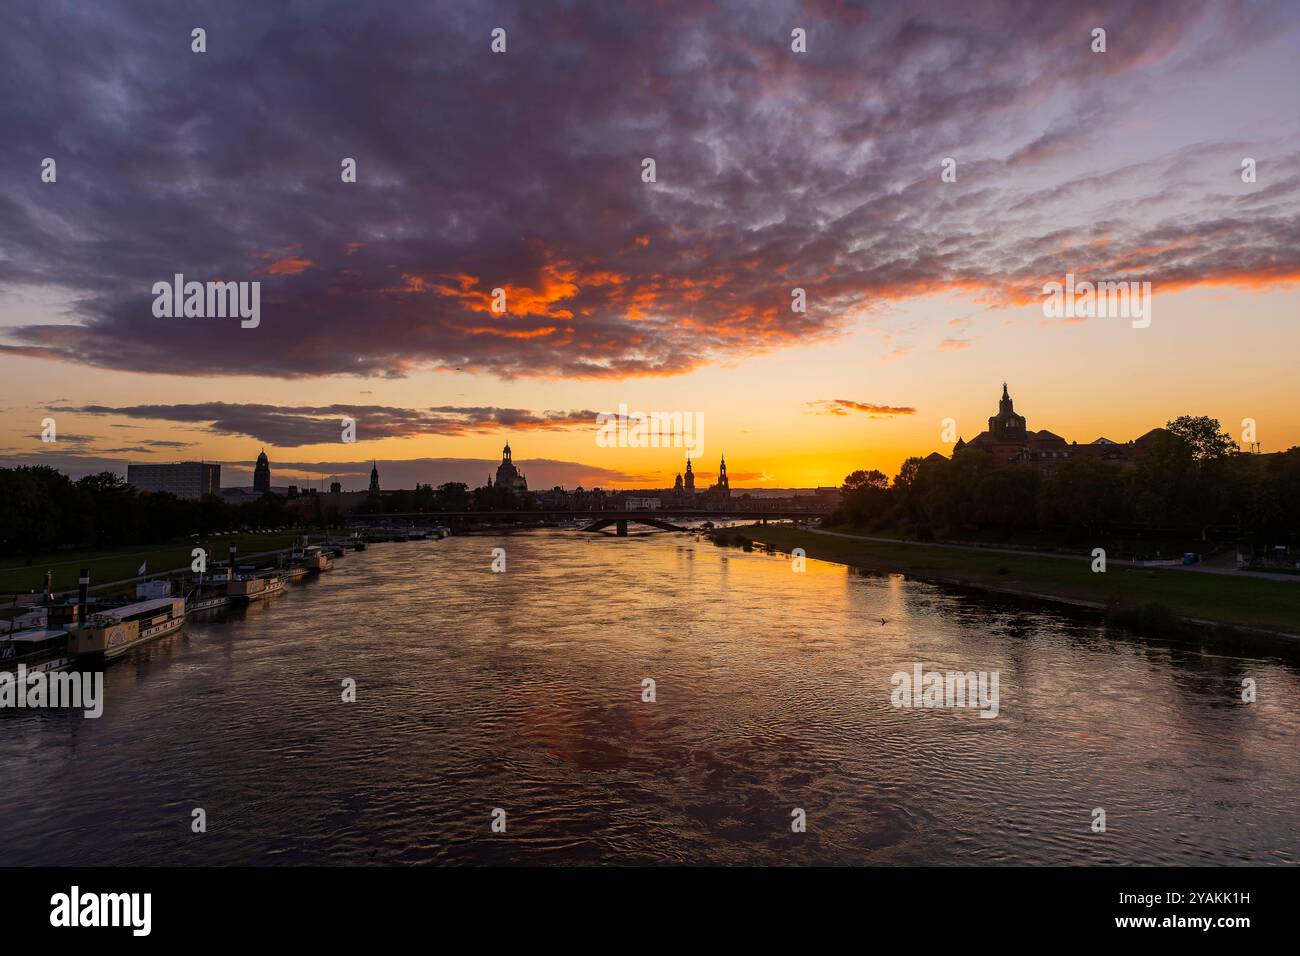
522	691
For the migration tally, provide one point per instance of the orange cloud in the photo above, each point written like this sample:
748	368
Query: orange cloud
557	283
289	267
515	333
842	406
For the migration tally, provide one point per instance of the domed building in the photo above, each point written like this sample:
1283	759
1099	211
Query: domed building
508	476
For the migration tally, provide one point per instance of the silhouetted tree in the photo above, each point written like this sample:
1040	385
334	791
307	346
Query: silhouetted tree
453	496
1204	437
1085	497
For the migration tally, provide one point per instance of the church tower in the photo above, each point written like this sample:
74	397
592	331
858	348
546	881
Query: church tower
724	486
374	479
262	474
689	481
1006	425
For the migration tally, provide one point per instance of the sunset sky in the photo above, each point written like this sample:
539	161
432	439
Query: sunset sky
522	170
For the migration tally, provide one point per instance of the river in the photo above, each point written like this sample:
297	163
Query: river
523	692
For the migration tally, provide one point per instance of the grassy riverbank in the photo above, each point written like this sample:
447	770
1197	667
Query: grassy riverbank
18	575
1241	602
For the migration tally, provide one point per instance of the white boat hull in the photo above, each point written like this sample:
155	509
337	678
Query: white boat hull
44	667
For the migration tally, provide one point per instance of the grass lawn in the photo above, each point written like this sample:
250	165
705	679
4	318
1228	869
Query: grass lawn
1119	547
1241	601
115	564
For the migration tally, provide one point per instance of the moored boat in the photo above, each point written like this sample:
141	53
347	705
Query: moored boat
70	612
207	594
206	600
111	633
40	651
258	584
315	560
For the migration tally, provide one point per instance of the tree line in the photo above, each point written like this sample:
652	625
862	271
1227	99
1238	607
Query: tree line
1192	484
449	496
41	509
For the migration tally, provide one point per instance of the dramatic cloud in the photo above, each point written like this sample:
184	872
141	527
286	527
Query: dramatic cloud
294	426
522	172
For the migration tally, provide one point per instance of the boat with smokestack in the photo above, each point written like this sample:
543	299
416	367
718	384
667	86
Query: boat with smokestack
291	566
109	632
68	613
232	584
251	583
31	643
210	593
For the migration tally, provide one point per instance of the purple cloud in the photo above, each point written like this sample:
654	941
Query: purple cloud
521	171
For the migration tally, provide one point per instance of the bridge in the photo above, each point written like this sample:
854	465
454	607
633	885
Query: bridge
640	517
599	519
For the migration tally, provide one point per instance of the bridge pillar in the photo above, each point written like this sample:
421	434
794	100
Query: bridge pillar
622	528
